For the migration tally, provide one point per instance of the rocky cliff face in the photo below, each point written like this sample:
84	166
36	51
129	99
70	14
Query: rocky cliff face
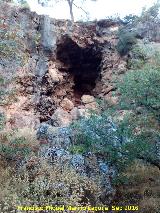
63	64
63	70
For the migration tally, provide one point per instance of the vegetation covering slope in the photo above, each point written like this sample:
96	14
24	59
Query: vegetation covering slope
130	144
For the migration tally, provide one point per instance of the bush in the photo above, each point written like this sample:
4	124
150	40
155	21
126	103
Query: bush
24	4
142	136
118	145
126	41
7	92
94	133
41	184
17	145
143	55
141	88
130	19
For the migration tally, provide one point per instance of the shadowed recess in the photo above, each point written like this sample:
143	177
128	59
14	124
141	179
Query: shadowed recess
82	63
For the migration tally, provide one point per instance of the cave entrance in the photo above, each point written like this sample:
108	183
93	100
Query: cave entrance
83	63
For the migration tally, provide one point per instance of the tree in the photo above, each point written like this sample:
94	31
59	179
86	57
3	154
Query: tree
151	13
71	3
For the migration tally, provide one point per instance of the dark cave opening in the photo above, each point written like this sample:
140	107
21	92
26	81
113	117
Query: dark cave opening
83	63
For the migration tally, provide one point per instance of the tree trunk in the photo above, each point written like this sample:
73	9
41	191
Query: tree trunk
70	3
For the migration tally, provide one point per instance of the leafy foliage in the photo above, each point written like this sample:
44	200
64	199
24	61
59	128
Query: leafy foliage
144	55
7	93
151	13
141	88
139	91
130	19
126	41
119	145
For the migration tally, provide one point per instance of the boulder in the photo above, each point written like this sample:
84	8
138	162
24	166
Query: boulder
55	75
66	104
22	119
86	99
61	118
92	106
77	113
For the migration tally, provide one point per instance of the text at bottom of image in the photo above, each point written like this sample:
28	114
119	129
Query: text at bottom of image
78	208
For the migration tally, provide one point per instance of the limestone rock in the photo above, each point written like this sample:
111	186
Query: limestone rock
42	67
86	99
66	104
21	119
56	77
61	118
77	113
114	100
92	106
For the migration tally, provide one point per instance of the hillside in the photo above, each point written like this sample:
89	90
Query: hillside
79	112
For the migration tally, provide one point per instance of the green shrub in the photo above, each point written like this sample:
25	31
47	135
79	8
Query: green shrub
139	91
143	55
15	149
138	58
141	88
93	133
24	4
126	41
18	144
7	93
118	145
37	38
130	19
142	134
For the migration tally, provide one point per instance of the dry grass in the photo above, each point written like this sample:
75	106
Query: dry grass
39	183
143	188
29	134
16	145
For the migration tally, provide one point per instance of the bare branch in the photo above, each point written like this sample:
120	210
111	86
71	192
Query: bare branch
80	8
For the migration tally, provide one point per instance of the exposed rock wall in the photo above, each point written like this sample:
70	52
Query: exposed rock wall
64	62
